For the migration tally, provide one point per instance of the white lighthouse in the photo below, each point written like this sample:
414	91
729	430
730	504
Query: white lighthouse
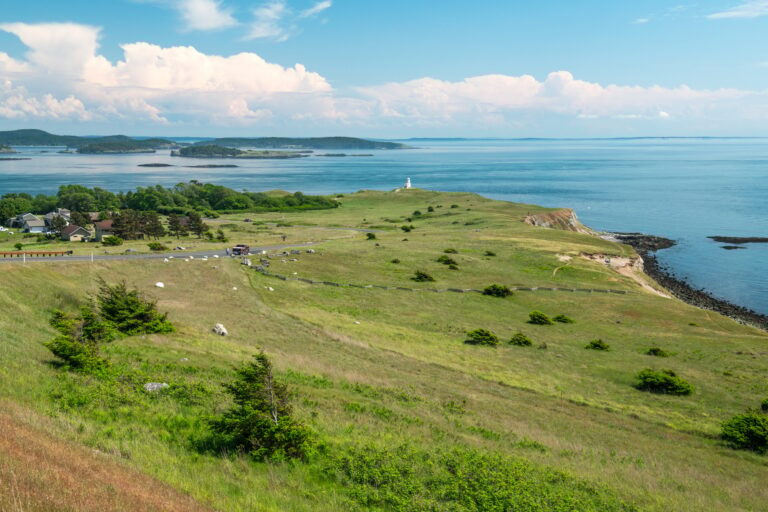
407	182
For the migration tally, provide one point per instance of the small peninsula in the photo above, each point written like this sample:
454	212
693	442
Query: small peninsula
6	150
215	151
326	143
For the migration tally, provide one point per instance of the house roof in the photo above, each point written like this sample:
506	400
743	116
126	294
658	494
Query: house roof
34	223
74	228
27	216
104	224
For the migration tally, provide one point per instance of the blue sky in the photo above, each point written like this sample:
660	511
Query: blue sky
388	69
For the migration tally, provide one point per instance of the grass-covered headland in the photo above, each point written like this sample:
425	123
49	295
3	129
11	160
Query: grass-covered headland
381	393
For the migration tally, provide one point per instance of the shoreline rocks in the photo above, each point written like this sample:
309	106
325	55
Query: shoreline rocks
647	245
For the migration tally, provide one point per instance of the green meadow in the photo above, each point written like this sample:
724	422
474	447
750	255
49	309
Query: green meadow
405	414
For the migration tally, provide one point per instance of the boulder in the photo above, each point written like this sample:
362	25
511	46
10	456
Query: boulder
160	284
153	387
220	330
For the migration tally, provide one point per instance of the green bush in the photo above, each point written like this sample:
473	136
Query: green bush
764	405
370	236
430	209
663	382
422	277
538	318
451	250
79	339
18	246
129	312
490	253
157	246
260	422
446	260
748	431
407	229
482	337
497	290
453	267
563	319
597	345
521	340
112	241
657	352
416	213
395	260
454	206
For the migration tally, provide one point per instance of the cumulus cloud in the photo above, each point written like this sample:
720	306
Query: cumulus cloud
752	9
205	14
17	103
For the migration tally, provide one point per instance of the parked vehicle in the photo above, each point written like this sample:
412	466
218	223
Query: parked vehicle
240	250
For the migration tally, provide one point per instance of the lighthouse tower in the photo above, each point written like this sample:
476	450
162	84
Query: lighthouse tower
407	182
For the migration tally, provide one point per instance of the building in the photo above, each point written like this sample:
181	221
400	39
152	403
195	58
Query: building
58	212
31	224
407	182
74	233
103	228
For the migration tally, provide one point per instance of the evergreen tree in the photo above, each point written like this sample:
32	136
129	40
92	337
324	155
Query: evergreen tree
58	223
174	225
153	227
196	224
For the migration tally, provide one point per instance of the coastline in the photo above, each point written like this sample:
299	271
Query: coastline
647	245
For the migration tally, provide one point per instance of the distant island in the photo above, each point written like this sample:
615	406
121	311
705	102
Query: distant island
328	143
6	149
216	151
89	145
344	154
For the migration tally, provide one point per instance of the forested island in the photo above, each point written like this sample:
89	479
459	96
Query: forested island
216	151
328	143
106	144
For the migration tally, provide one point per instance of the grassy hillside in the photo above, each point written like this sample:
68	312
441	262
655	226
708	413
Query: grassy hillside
406	412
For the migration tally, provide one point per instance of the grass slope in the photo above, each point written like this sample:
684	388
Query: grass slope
384	375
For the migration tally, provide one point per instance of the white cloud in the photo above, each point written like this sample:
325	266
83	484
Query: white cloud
268	22
316	9
205	14
641	21
17	103
751	9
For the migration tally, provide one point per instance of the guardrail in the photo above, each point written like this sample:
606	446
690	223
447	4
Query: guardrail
33	254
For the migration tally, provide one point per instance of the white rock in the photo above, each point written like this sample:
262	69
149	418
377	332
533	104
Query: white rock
220	330
160	284
356	322
270	288
166	260
215	255
234	288
152	387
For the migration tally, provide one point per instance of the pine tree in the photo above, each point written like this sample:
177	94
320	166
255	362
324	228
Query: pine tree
153	227
174	225
196	224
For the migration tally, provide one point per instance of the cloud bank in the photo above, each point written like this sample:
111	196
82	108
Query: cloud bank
753	9
63	77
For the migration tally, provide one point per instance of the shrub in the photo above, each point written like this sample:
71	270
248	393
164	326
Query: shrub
260	422
416	213
564	319
157	246
422	277
430	209
395	260
748	431
111	241
451	250
18	246
453	267
497	290
482	337
597	345
657	352
446	260
521	340
490	253
538	318
454	206
764	405
130	313
664	382
407	229
370	236
79	338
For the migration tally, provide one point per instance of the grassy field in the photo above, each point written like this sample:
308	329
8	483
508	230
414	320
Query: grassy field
387	372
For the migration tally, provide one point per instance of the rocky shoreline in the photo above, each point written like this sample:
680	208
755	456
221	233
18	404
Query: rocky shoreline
647	245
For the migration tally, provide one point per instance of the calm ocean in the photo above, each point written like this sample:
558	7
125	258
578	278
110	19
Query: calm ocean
685	189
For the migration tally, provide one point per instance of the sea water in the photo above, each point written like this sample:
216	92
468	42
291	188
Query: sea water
685	189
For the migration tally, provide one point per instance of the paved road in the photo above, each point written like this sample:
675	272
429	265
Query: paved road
150	256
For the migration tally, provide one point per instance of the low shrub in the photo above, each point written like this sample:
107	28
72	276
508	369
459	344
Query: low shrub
422	277
597	345
521	340
157	246
748	431
663	382
370	236
539	318
497	290
416	213
490	253
564	319
79	339
112	241
451	250
407	229
764	405
657	352
453	267
446	260
18	246
430	209
482	337
454	206
129	312
395	260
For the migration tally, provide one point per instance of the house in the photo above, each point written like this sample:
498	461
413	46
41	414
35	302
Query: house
74	233
19	220
58	212
103	228
32	224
